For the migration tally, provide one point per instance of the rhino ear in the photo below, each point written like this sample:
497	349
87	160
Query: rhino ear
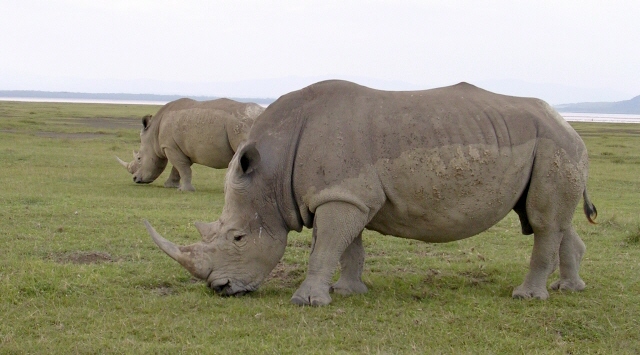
145	122
249	157
208	230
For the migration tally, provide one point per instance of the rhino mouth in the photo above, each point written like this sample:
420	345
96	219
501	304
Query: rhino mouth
138	180
228	288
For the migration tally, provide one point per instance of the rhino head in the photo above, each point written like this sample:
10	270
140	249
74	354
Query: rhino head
239	250
131	166
147	164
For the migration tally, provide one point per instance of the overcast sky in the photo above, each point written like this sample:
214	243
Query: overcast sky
207	47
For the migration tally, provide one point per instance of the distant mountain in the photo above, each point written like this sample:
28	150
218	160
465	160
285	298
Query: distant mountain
553	93
262	91
628	107
117	96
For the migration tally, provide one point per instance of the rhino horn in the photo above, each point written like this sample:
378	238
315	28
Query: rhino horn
128	166
193	257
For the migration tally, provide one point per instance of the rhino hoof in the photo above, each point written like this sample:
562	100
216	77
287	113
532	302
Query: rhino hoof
186	188
349	288
311	296
171	184
568	285
311	301
522	292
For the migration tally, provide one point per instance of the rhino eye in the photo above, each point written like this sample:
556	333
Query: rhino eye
238	238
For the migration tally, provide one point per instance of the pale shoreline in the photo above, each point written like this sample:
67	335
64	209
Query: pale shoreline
83	101
569	116
600	117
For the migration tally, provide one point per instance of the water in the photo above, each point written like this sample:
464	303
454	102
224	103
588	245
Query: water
83	101
569	116
600	117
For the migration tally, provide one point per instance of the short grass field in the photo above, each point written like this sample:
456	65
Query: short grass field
80	274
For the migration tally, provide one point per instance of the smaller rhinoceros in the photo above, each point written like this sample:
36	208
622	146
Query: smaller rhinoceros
187	132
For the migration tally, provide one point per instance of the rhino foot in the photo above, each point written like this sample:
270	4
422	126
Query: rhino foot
311	295
568	285
345	288
525	292
172	184
186	188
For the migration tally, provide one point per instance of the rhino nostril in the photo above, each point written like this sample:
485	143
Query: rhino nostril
220	288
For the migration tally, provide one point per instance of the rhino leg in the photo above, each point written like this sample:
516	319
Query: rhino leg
351	265
555	189
543	262
336	225
182	164
174	179
571	251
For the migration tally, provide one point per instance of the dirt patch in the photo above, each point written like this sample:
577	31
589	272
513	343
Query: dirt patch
163	291
99	123
109	123
476	277
83	257
285	275
70	135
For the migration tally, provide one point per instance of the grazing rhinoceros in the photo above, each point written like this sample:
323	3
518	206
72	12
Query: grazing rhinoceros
185	132
436	165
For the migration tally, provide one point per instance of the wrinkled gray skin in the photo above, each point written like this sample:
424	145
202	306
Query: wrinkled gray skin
186	132
436	165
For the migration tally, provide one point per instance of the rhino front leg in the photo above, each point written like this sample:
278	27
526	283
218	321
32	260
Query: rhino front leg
571	251
351	265
335	227
174	179
182	164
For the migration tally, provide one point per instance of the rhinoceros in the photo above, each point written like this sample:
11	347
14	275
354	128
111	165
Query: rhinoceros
437	165
185	132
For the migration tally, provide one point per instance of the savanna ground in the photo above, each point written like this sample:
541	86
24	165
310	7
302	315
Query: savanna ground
79	273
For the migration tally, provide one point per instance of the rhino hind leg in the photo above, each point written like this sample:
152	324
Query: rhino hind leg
571	251
351	266
174	179
555	189
335	226
543	262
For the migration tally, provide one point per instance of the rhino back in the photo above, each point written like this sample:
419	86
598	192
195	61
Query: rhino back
434	165
200	129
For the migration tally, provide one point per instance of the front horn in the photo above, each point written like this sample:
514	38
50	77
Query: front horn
195	257
123	163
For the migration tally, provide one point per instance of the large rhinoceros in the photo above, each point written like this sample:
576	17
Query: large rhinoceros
186	132
436	165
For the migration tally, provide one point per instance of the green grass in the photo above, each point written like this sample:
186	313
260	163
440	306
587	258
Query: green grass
79	273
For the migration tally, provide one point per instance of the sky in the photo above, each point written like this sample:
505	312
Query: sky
561	51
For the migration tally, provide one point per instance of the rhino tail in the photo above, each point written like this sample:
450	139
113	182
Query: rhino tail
589	209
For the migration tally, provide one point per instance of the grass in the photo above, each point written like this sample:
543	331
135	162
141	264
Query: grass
79	273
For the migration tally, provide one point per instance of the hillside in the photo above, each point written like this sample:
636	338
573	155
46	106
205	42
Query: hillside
629	107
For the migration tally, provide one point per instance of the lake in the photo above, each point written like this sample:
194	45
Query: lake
600	117
569	116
